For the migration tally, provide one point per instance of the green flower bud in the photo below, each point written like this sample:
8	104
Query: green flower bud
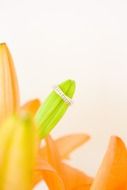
54	107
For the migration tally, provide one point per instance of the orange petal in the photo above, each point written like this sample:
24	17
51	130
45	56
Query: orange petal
31	106
112	174
75	179
49	174
53	156
9	93
67	144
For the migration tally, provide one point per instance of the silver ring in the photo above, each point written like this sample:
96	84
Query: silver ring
65	98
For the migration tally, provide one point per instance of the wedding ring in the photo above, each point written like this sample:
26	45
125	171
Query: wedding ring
65	98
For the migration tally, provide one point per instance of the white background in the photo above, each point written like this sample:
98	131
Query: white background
84	40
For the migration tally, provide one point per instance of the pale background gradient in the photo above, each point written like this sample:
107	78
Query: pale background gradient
85	40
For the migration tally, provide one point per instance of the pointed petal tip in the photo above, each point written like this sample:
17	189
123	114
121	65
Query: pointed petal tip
31	106
3	44
116	140
9	95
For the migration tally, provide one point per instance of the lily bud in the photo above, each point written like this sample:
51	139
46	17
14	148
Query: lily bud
54	107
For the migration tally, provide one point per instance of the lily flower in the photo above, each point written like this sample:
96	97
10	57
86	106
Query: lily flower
112	174
46	118
17	139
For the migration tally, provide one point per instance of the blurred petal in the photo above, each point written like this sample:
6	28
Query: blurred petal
112	174
9	93
31	106
18	158
67	144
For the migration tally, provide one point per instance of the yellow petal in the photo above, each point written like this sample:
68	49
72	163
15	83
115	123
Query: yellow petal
9	93
112	174
17	160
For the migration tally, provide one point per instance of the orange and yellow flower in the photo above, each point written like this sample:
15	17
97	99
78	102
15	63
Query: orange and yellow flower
23	163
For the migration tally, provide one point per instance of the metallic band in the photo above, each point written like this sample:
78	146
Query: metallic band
65	98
